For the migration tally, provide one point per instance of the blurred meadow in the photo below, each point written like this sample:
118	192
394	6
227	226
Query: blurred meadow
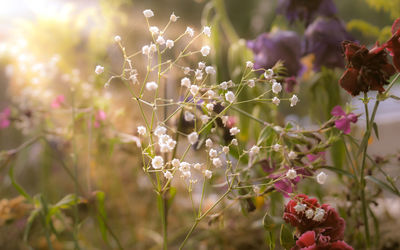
75	172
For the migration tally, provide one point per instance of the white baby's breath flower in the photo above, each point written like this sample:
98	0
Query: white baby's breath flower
210	93
230	96
186	70
189	31
291	174
154	30
223	85
197	166
209	143
276	147
319	214
193	137
300	207
276	87
168	175
249	64
234	142
224	119
225	149
151	86
256	189
141	130
117	39
198	74
205	50
160	40
292	155
204	119
146	50
184	166
230	84
157	162
207	31
185	82
268	74
153	48
293	100
217	162
251	83
99	69
175	163
309	213
210	70
148	13
188	116
321	178
201	65
276	101
210	106
234	131
208	174
254	150
213	153
159	131
169	44
173	18
194	90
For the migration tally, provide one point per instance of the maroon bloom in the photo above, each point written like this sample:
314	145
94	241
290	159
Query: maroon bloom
5	118
310	241
393	44
344	120
366	69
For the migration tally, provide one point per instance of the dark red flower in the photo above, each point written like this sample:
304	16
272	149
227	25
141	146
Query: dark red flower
366	69
393	44
310	241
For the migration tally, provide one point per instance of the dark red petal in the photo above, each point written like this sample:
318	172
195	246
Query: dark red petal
396	26
306	239
349	81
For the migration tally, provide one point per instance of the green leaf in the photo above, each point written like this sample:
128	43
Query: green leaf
172	194
19	188
382	184
102	216
286	238
271	240
375	127
30	221
364	143
268	222
395	97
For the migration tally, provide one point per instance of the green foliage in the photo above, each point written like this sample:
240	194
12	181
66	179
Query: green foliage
391	6
286	237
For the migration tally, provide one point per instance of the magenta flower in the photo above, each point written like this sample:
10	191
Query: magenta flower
99	117
287	186
343	123
58	101
5	118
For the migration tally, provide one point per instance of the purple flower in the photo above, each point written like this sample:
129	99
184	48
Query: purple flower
323	38
343	123
269	48
287	186
5	118
306	10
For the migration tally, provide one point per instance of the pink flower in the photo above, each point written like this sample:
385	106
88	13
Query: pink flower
343	123
5	118
58	101
99	117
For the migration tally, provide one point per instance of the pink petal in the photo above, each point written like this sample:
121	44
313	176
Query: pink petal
337	111
343	124
352	117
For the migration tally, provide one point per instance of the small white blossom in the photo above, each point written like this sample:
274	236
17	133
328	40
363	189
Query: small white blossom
291	174
276	147
193	137
225	149
159	131
209	143
186	70
309	213
169	44
185	82
146	50
151	86
276	87
292	155
213	153
160	40
173	18
148	13
225	119
207	31
223	85
189	31
197	166
251	83
198	74
230	84
157	162
249	64
168	175
202	65
254	150
217	162
230	96
319	214
188	116
256	189
234	131
321	178
234	142
99	69
194	90
210	106
300	207
210	70
276	101
175	163
154	30
205	50
117	39
153	48
268	74
204	118
208	174
293	100
210	93
141	130
186	174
